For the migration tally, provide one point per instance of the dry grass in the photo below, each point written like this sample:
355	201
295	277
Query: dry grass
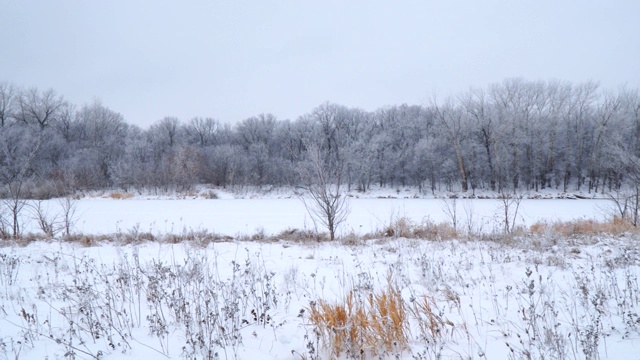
22	240
616	226
359	328
428	230
119	196
435	231
388	323
397	228
200	237
298	235
430	323
86	239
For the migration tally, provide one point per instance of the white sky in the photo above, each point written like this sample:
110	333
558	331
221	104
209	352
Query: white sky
234	59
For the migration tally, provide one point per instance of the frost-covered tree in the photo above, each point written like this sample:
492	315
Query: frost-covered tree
19	147
454	123
100	136
8	102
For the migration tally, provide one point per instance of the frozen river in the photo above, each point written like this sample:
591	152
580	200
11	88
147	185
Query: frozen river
246	216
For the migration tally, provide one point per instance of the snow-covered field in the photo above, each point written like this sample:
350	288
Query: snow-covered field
533	297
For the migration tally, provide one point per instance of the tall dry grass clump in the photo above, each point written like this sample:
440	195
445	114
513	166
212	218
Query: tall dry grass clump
615	226
404	227
388	323
361	328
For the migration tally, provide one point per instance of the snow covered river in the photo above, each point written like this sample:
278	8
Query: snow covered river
246	216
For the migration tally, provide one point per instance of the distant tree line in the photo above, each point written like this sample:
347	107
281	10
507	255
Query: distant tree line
514	135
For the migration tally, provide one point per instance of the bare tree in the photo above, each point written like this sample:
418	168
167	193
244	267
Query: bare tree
202	130
470	220
168	129
67	124
450	209
39	108
626	157
625	205
256	136
486	127
185	166
8	95
606	113
69	207
577	122
64	220
323	179
47	223
509	206
18	148
451	118
101	133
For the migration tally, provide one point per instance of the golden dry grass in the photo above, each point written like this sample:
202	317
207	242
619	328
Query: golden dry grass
387	320
119	196
436	231
615	226
362	328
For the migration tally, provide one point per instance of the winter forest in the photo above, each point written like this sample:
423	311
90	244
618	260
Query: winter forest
516	135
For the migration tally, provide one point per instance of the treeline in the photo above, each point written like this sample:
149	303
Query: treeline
514	135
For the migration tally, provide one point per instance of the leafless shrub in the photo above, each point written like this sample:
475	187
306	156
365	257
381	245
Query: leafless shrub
47	223
450	208
323	184
626	205
509	207
68	217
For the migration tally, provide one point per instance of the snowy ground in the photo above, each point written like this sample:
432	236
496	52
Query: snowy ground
524	297
564	300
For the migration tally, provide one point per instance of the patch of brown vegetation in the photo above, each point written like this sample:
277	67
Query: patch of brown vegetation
119	196
616	226
428	230
362	328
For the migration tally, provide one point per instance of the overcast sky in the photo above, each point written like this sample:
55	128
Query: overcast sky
234	59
